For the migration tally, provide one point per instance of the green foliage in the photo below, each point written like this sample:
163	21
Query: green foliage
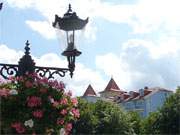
169	118
135	121
148	124
102	118
88	121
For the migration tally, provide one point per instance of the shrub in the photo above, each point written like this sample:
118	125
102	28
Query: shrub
35	105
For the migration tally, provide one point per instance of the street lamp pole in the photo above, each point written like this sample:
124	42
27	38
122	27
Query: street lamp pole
69	23
1	5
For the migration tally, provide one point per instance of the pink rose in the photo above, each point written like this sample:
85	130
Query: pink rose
33	101
18	126
75	112
55	103
68	127
63	101
74	101
38	114
11	78
60	121
69	93
61	86
63	112
33	133
20	78
4	92
57	85
44	81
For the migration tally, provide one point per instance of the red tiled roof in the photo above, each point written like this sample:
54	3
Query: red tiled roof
125	96
146	92
112	86
136	95
89	91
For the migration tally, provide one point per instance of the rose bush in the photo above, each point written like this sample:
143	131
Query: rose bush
35	105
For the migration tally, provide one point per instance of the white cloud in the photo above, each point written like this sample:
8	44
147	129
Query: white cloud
143	16
42	27
155	14
160	48
144	63
157	60
9	56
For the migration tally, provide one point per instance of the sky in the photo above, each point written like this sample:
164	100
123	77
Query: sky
137	42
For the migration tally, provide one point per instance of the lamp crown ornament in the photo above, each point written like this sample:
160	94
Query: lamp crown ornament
70	21
69	10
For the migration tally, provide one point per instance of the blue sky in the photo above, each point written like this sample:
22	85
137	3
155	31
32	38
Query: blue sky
135	41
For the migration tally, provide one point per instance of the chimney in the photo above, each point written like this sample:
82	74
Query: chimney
141	92
131	93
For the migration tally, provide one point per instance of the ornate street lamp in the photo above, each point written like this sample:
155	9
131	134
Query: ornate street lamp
69	23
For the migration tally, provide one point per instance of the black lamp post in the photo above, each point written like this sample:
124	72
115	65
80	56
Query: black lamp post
1	5
69	23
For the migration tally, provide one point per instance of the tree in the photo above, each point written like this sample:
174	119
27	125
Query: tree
148	124
88	121
168	121
102	118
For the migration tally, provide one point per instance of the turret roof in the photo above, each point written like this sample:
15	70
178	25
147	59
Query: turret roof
112	86
89	91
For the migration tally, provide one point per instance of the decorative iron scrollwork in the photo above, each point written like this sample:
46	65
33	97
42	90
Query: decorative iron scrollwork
26	64
49	72
8	70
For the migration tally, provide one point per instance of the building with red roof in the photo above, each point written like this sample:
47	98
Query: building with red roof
143	101
90	94
111	91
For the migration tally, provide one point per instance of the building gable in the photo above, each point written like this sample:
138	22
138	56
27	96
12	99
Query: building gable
89	91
